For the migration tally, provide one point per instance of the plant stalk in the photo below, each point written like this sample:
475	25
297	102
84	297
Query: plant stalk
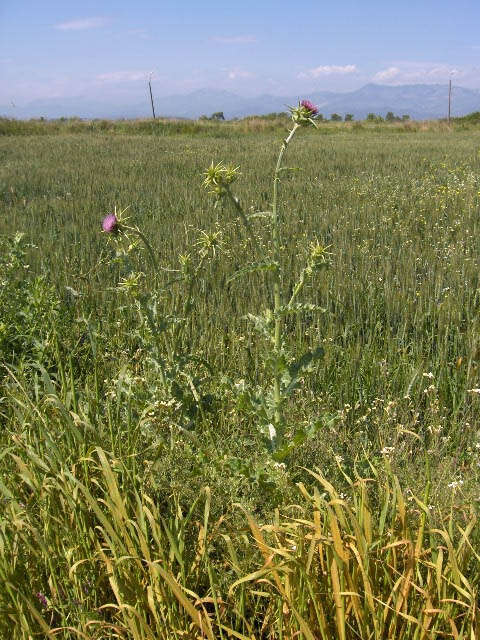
151	253
277	293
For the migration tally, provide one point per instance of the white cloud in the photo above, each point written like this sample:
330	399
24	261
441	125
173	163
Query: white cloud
412	73
123	76
234	39
236	74
328	70
388	74
79	25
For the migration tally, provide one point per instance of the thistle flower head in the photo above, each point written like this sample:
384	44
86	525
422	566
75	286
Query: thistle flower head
218	177
209	243
309	106
304	113
110	223
113	222
319	257
131	283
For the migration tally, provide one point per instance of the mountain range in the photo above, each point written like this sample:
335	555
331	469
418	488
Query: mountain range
419	101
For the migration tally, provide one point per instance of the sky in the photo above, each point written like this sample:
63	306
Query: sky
109	48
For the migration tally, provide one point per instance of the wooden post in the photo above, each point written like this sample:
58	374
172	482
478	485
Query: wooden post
151	96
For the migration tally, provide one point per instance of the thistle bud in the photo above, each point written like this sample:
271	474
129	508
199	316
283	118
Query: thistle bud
304	113
114	223
319	256
309	106
110	223
219	176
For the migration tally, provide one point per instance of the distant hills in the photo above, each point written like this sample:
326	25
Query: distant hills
419	101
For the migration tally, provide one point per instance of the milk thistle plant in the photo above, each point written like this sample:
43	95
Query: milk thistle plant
164	316
283	368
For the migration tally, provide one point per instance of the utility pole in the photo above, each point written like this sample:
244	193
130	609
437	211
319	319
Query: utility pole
449	99
151	96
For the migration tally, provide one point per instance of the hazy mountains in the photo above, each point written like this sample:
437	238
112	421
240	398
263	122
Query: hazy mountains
420	101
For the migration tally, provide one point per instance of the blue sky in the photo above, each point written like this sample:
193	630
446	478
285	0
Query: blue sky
108	48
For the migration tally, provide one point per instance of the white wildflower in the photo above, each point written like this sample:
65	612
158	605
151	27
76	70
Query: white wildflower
455	484
386	451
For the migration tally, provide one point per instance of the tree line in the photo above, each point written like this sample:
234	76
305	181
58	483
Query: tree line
218	116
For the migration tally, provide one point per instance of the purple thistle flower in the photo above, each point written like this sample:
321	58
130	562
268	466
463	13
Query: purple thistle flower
110	223
42	598
309	106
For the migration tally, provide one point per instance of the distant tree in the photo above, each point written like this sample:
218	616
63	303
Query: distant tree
405	117
335	117
319	117
390	117
371	117
348	117
275	114
204	117
218	115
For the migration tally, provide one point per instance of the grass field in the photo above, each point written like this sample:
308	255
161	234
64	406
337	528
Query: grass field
132	508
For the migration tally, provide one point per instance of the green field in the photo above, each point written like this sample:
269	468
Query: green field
139	509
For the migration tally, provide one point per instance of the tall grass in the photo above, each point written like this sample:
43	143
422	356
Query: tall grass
399	213
159	127
90	553
172	126
122	517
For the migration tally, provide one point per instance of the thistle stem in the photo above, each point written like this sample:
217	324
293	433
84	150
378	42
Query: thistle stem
277	293
299	286
143	238
153	327
240	211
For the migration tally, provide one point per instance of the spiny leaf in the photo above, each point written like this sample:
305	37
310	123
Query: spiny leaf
262	324
291	378
303	362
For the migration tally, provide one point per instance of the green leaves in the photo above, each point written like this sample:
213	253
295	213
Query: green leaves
291	377
263	324
263	404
